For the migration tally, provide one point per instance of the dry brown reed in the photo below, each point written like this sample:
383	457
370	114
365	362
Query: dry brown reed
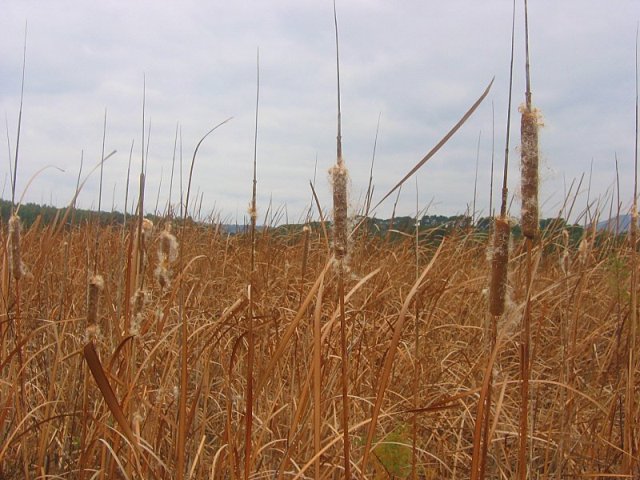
453	309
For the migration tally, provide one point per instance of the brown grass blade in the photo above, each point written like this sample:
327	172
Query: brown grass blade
439	145
322	221
91	356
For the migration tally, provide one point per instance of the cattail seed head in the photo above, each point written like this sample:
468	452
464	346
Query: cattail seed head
162	276
253	212
168	246
96	285
529	165
499	264
137	420
167	253
15	260
564	259
339	179
138	302
583	250
147	228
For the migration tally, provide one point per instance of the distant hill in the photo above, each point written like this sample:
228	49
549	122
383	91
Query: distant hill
618	224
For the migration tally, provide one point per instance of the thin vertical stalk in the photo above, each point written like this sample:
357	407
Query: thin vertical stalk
493	150
15	165
416	349
340	178
530	229
630	458
475	181
168	211
97	240
497	289
253	214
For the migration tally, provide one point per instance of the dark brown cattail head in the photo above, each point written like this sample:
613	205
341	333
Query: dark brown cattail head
339	179
17	268
499	263
529	171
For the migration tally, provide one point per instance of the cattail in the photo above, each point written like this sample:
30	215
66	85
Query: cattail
529	171
167	254
253	213
140	259
583	250
96	285
168	245
138	302
564	260
137	420
499	261
17	267
339	179
147	229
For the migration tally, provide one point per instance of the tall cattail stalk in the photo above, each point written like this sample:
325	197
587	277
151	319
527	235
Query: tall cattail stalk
630	464
530	229
95	285
417	371
498	285
253	215
339	180
15	266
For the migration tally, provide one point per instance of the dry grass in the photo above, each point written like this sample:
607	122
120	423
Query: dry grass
56	422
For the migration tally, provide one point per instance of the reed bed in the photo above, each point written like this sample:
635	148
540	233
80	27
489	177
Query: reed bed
57	422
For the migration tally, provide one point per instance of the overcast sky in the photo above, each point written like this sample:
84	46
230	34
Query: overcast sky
417	64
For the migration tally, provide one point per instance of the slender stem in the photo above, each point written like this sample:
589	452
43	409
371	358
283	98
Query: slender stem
250	333
15	166
339	137
505	190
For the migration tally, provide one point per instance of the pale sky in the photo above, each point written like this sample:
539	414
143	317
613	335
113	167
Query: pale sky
419	64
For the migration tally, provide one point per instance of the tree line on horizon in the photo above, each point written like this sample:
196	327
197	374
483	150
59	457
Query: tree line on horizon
395	227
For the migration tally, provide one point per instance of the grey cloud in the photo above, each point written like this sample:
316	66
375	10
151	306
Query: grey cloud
421	64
